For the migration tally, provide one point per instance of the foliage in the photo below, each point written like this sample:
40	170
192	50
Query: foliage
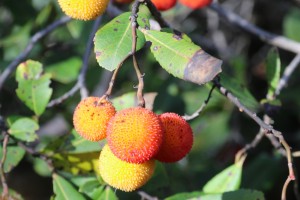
178	71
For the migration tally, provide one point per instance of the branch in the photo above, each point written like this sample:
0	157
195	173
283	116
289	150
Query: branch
270	38
204	104
145	196
3	179
266	127
140	76
287	74
34	39
80	84
156	14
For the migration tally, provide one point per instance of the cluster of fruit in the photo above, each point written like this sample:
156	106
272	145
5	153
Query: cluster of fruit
136	137
90	9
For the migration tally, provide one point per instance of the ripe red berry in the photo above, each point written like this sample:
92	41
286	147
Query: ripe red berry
163	5
195	4
178	138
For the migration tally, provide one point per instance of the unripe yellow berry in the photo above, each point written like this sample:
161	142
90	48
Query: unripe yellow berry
123	175
83	9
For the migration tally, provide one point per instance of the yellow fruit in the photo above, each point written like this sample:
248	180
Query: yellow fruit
91	117
135	135
83	9
123	175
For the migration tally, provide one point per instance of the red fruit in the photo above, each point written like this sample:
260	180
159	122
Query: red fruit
135	135
163	5
178	138
195	4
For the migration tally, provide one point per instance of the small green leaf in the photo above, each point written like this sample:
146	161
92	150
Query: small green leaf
108	194
273	70
41	167
227	180
65	190
182	58
113	42
13	157
33	86
77	144
240	91
24	129
65	71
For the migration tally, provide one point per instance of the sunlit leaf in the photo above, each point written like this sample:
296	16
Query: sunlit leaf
108	194
83	163
113	42
64	190
182	58
24	129
33	86
227	180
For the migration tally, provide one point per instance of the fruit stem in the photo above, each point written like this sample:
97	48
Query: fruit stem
140	76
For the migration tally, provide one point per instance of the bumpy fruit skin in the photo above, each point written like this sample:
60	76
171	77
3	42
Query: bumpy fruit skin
163	5
83	9
123	175
195	4
135	135
178	138
91	118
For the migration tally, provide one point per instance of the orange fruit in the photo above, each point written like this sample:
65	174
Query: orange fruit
163	5
91	118
83	9
195	4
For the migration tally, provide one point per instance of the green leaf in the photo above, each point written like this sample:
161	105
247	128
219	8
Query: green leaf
65	71
13	157
227	180
182	58
291	25
65	190
240	91
33	86
108	194
24	129
41	167
92	189
113	41
77	144
243	194
273	71
195	195
83	163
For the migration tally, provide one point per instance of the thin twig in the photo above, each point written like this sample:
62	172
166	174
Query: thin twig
80	84
283	193
287	74
140	76
4	154
145	196
34	39
204	104
270	38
